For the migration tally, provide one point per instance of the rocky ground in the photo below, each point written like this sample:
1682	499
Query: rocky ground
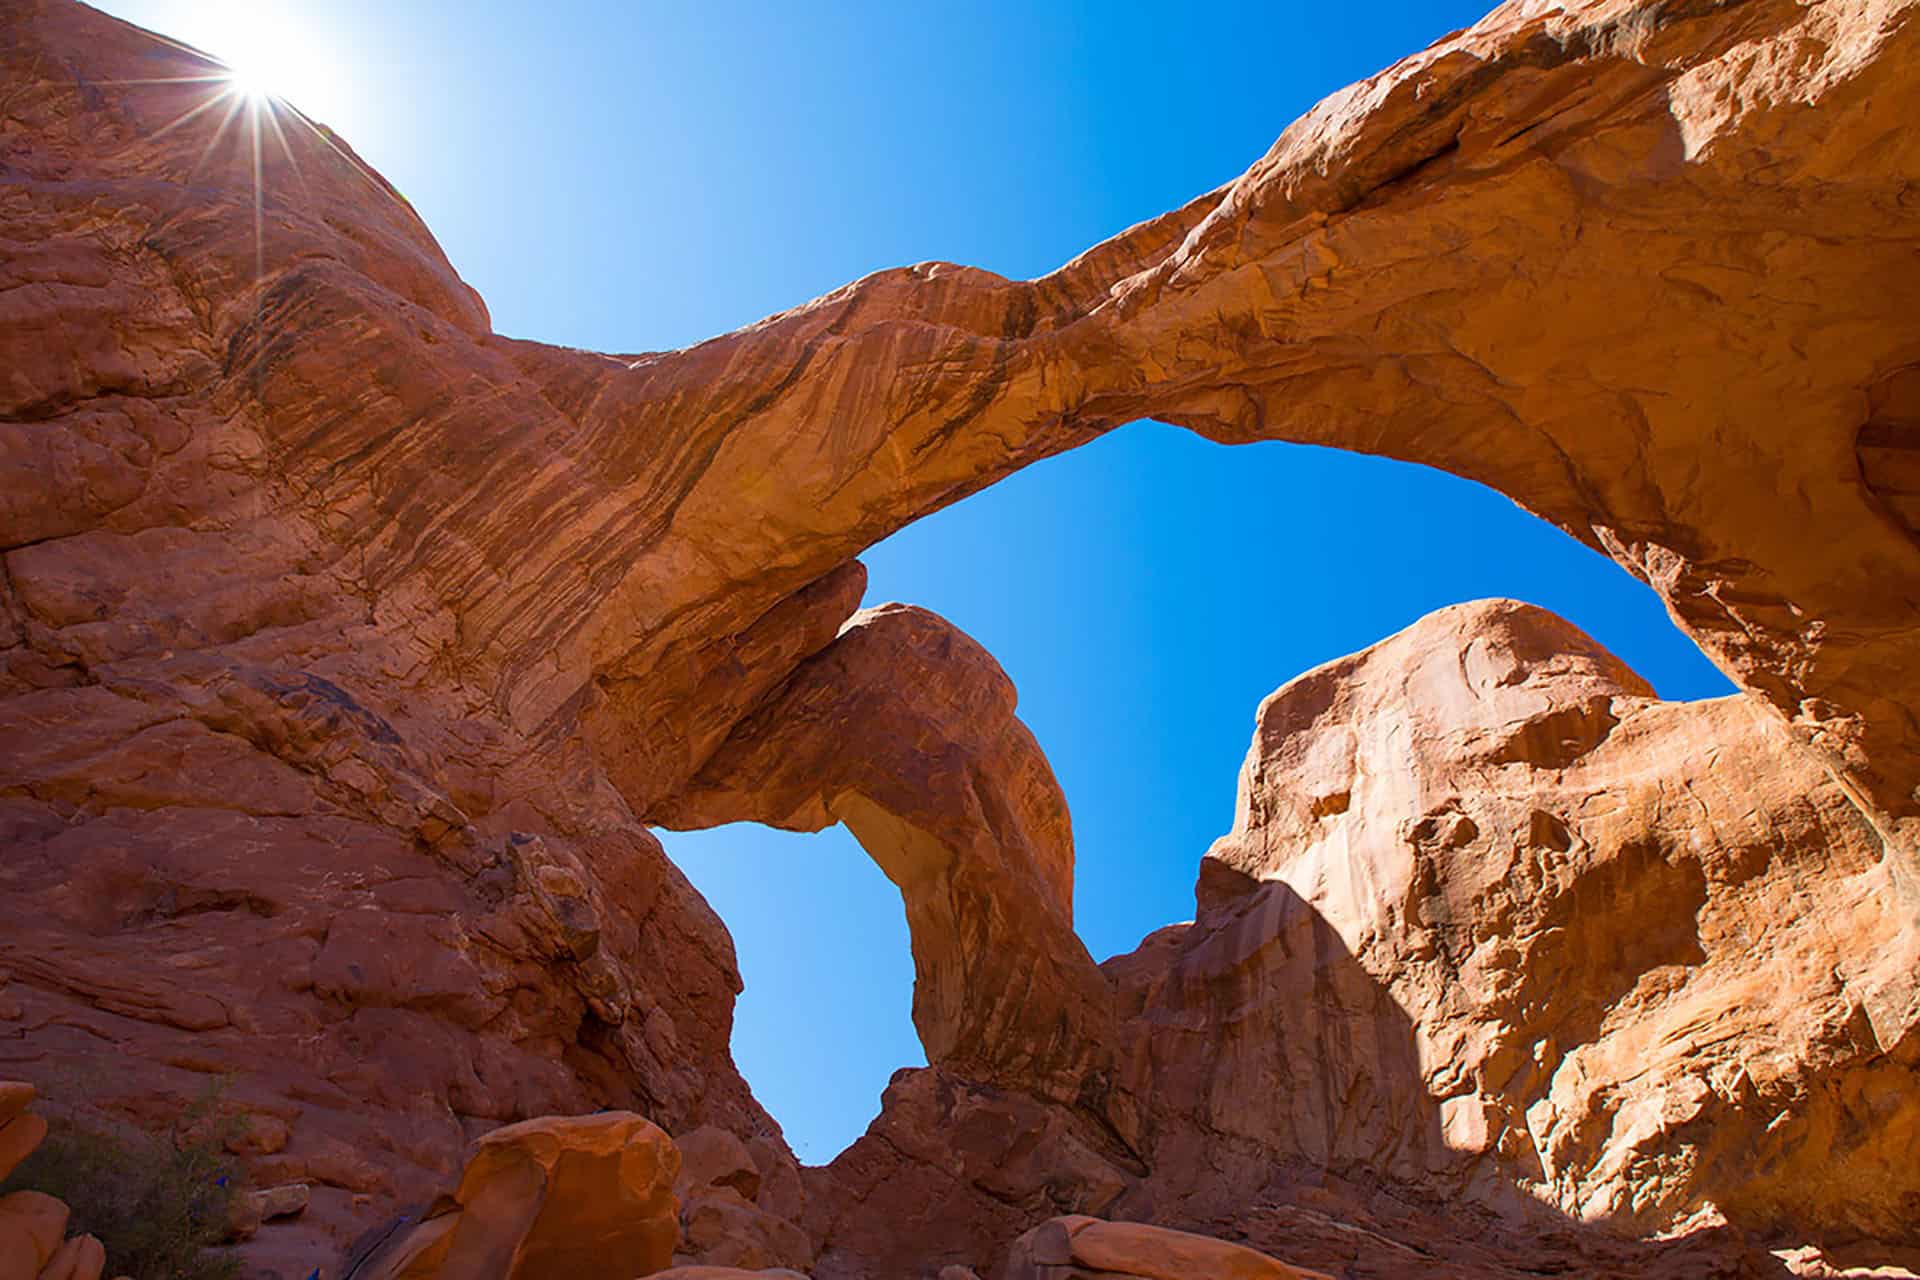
348	651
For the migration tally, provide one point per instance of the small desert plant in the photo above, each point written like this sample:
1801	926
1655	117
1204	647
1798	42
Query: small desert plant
157	1201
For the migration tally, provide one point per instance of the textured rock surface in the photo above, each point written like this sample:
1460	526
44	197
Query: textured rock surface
951	1171
346	648
724	1219
1498	938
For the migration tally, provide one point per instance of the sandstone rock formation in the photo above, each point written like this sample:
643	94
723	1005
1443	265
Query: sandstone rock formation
347	648
1495	929
254	1209
1639	960
548	1199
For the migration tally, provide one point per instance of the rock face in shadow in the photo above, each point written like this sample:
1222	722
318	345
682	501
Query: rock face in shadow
34	1244
347	648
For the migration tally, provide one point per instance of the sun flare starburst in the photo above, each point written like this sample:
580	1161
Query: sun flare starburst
247	98
248	84
263	61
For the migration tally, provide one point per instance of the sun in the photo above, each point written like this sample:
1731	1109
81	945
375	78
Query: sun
249	83
259	71
273	57
267	59
256	63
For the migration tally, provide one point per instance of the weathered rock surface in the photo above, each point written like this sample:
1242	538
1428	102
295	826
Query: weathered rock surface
951	1171
1497	937
253	1209
346	648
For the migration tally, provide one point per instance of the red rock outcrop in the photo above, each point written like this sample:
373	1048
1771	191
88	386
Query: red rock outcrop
346	648
1501	932
725	1219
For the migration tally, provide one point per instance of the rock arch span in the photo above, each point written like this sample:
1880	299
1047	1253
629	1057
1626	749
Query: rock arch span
331	616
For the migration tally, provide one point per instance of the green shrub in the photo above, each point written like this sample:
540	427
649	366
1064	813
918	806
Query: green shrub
158	1202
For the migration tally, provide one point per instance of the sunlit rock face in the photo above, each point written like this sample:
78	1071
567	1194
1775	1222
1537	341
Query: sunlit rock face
346	649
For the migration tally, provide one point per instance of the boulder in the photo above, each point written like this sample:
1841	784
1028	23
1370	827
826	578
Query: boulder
720	1227
81	1258
15	1097
547	1199
1081	1248
251	1209
712	1157
19	1137
33	1227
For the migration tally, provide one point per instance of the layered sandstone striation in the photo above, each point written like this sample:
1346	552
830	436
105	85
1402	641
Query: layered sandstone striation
347	650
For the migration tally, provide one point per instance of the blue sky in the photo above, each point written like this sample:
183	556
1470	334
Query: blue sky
635	176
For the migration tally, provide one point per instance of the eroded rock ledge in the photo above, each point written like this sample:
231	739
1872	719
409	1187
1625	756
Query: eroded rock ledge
346	648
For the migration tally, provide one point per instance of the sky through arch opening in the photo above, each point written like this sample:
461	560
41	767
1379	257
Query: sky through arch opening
821	936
